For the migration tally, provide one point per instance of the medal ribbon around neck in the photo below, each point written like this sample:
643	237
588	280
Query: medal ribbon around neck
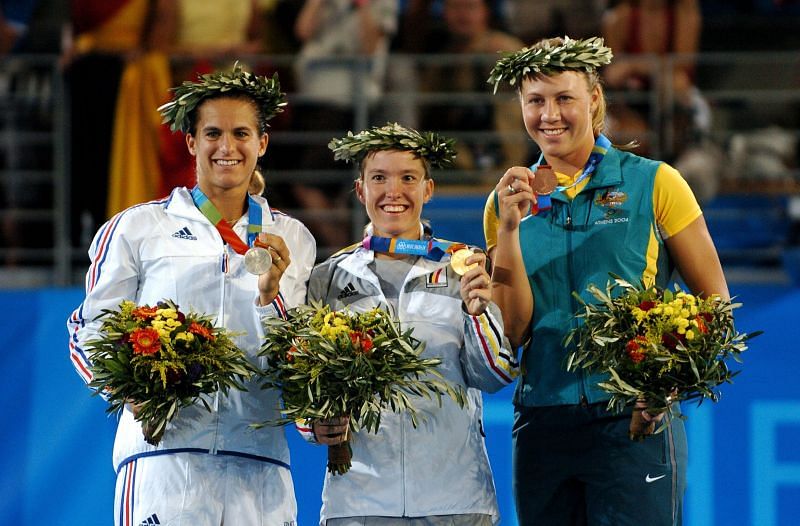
601	146
429	249
207	208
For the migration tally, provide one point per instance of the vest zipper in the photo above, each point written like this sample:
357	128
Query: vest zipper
570	272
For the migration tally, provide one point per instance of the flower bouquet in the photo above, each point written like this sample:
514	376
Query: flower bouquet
159	360
332	364
657	346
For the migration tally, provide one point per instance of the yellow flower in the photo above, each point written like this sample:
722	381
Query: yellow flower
167	313
158	324
185	336
172	323
685	313
668	311
690	335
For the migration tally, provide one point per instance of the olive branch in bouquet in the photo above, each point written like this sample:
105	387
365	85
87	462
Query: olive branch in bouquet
331	364
657	346
160	360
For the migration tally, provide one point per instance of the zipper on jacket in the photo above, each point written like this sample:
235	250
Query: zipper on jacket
403	460
225	267
570	273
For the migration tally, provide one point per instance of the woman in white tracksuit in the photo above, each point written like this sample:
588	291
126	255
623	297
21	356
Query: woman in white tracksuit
210	468
437	473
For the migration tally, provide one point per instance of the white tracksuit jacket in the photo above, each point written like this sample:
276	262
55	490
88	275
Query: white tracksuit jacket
168	249
441	467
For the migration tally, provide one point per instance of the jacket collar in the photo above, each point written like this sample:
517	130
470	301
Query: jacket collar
180	204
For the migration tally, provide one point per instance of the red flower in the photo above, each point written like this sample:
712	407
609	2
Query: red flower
647	305
144	312
290	353
671	340
634	350
145	341
362	340
366	344
201	330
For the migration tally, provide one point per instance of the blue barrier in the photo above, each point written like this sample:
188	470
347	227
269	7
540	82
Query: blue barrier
56	467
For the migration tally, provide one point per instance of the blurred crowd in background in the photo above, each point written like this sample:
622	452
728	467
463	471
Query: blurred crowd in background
93	71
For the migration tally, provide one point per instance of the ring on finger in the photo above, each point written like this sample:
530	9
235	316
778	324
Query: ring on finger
511	190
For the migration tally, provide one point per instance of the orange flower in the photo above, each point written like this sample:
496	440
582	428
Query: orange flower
701	324
145	341
634	350
201	330
144	312
290	353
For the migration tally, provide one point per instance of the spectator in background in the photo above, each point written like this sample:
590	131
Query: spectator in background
635	28
335	33
469	31
531	20
14	18
641	31
101	37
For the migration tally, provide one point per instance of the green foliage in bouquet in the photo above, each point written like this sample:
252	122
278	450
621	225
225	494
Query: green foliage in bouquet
161	360
657	346
338	363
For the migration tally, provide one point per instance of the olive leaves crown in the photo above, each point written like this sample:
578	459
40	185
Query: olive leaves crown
437	150
266	92
551	56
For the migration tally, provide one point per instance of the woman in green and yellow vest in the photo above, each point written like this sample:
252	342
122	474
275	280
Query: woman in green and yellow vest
590	210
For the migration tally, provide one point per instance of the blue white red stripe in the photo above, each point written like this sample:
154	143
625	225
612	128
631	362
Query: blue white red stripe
126	504
280	305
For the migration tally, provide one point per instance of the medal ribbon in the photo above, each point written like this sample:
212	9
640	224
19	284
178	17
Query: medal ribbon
207	208
601	146
429	249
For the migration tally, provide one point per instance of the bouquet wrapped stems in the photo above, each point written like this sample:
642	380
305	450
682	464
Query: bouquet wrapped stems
640	427
340	457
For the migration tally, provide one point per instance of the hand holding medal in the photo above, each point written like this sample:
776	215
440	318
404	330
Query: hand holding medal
514	196
269	260
475	281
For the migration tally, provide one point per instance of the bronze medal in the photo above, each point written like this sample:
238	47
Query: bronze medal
545	181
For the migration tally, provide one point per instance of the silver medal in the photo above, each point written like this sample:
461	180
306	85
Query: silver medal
257	260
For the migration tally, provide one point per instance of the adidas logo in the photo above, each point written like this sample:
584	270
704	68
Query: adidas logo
185	233
152	519
348	291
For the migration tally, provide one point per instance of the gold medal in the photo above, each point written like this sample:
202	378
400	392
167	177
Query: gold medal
458	261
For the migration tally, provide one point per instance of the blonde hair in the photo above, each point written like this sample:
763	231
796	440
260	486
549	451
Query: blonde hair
257	183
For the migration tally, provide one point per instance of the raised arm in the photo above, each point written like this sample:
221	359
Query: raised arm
511	289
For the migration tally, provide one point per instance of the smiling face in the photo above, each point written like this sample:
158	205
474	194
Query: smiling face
393	188
558	111
226	144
